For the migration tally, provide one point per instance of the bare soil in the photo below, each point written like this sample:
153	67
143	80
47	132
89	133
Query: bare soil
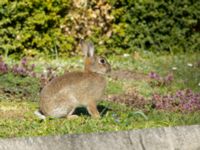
130	97
12	111
121	74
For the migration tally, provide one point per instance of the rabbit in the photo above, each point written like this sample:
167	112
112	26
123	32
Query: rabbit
62	95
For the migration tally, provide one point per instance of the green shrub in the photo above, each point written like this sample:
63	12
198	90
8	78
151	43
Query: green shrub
31	27
156	25
54	27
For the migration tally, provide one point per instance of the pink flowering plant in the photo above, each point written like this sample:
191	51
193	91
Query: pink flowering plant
182	100
25	69
157	80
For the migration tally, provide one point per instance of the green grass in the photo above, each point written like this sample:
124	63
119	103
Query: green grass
185	76
20	120
19	88
17	117
114	87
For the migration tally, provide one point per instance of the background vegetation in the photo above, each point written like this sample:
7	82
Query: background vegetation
54	28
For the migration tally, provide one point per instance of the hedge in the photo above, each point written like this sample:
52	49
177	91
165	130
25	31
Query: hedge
169	25
54	27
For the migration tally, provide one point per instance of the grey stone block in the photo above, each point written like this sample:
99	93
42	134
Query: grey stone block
170	138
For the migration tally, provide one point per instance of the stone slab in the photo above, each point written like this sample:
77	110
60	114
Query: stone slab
167	138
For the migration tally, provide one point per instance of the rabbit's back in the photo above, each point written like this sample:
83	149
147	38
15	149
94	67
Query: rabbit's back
75	81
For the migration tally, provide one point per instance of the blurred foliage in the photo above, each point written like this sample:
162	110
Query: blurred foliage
156	25
50	27
29	27
55	27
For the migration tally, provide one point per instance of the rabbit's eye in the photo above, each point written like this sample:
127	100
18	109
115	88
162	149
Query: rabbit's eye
102	61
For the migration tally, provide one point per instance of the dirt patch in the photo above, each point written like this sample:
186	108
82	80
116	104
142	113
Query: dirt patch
12	112
127	74
132	99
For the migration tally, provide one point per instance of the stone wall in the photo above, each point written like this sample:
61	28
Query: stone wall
169	138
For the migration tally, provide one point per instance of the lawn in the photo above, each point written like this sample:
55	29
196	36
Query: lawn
144	90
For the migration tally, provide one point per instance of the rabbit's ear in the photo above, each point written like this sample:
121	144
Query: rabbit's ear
87	48
90	49
84	48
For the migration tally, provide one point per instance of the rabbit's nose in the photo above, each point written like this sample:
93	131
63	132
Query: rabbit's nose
109	69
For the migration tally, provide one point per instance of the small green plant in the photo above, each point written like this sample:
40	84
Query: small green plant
114	87
21	80
16	88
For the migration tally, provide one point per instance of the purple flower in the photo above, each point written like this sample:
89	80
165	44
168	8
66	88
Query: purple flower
153	75
3	67
183	100
157	80
32	67
24	61
168	78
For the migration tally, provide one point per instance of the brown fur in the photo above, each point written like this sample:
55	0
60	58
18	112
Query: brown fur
63	94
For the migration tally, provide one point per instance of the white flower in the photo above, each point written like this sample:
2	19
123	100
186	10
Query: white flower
126	55
45	71
189	65
199	84
174	68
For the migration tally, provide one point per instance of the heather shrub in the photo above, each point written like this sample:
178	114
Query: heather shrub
182	100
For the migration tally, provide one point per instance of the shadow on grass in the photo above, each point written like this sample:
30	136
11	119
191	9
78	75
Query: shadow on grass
83	111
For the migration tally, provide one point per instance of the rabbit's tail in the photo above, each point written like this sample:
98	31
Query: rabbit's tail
40	115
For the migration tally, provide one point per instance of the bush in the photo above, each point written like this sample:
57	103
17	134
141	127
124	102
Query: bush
31	27
156	25
54	28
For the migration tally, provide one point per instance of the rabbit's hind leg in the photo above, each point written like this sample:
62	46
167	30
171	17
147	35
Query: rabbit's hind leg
92	109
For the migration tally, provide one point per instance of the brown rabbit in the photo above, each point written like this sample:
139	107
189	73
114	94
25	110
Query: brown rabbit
61	96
